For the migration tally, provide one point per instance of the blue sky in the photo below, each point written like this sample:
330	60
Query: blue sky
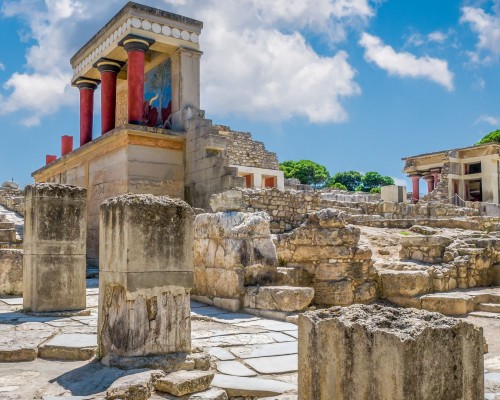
351	84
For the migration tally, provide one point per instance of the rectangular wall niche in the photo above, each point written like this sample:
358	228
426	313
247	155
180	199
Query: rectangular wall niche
158	96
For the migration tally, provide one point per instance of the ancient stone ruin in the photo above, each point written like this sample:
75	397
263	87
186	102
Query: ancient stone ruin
166	259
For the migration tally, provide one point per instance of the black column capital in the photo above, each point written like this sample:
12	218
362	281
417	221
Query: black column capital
135	42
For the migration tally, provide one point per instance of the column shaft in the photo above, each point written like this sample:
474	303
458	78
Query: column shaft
135	77
109	70
415	192
86	114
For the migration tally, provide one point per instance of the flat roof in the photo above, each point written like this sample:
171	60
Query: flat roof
456	149
137	7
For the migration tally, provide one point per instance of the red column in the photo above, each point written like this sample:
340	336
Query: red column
415	192
87	88
66	144
109	70
136	48
430	183
436	173
50	158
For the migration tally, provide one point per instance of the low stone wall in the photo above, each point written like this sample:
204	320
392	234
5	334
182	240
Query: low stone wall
329	250
11	272
289	209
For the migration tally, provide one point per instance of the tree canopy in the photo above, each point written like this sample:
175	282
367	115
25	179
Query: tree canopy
310	173
491	137
306	171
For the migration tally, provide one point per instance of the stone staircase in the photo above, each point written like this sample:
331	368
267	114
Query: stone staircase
11	229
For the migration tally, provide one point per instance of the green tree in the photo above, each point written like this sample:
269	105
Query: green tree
306	171
288	168
338	185
375	190
350	179
491	137
373	179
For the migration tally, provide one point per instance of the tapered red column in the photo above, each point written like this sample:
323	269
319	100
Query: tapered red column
430	182
436	173
87	88
136	48
415	179
109	70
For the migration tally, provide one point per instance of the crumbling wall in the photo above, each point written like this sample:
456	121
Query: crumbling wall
243	150
228	248
329	250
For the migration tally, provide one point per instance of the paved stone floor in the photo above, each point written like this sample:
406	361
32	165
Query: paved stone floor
250	353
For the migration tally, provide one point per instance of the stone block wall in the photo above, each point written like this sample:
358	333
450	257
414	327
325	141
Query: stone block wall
228	248
207	164
329	250
243	150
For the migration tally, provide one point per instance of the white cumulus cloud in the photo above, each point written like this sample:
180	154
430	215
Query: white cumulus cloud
487	28
489	119
405	64
257	59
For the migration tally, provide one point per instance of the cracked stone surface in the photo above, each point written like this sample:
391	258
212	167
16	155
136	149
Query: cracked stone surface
236	342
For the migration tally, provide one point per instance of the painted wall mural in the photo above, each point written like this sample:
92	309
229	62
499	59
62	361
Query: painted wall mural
157	107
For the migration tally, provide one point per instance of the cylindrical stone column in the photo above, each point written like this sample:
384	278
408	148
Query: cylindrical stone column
109	70
87	88
415	180
144	290
136	48
66	144
50	158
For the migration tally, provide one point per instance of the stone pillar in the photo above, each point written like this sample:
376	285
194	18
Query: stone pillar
415	179
436	173
55	234
87	88
430	182
66	144
136	48
145	277
376	352
109	70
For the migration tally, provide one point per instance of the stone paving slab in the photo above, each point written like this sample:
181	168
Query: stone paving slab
220	353
72	346
22	345
274	365
250	387
12	301
239	339
208	311
234	318
271	325
281	337
265	350
234	368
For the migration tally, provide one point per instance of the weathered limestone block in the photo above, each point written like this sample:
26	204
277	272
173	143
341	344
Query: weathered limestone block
281	298
134	386
404	283
146	273
375	352
11	272
55	233
429	249
185	382
225	245
231	200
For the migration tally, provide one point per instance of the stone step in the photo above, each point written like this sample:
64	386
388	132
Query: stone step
8	235
7	225
10	245
484	314
489	307
278	298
